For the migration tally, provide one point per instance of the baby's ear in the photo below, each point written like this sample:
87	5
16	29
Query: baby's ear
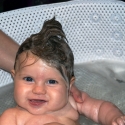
13	73
72	81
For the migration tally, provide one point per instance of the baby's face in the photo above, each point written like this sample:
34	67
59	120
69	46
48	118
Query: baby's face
39	88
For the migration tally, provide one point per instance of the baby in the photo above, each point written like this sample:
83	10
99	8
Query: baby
43	77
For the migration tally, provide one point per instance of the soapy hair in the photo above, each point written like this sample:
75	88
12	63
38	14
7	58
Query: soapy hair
51	45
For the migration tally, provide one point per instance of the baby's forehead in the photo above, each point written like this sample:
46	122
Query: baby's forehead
28	58
25	58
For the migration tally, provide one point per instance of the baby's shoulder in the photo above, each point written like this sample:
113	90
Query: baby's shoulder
8	117
9	112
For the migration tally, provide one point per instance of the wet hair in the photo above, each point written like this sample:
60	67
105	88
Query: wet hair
50	45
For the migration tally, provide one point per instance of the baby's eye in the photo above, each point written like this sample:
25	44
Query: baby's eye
29	79
52	82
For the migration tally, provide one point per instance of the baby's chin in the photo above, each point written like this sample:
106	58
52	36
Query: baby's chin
36	111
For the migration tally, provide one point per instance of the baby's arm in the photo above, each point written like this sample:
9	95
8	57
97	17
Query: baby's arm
100	111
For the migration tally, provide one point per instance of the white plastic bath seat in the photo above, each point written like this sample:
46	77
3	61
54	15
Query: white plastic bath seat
95	30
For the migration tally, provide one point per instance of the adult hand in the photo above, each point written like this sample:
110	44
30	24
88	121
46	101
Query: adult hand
77	94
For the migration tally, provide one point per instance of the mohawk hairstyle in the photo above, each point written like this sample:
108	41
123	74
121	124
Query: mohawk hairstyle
50	45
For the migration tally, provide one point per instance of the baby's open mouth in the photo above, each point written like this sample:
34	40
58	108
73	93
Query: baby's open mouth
37	102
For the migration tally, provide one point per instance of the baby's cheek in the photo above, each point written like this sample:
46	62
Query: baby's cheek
61	95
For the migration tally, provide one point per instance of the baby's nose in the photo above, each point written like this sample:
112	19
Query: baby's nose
39	89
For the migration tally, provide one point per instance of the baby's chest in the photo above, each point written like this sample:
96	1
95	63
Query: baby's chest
40	120
46	119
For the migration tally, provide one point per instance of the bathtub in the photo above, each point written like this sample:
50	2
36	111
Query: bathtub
95	30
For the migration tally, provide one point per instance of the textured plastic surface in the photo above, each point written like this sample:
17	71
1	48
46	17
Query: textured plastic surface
95	30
